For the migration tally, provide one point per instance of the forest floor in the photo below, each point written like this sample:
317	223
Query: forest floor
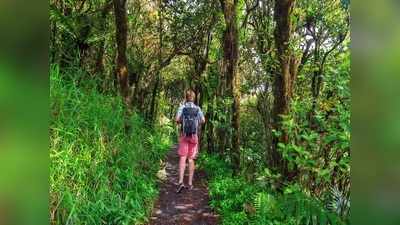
190	207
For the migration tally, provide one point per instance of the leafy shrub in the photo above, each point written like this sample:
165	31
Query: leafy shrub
215	166
255	203
291	207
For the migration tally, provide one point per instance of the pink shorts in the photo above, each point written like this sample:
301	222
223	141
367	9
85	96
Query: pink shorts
188	146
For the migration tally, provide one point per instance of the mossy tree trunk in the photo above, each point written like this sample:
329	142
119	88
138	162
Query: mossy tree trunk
284	80
121	37
230	71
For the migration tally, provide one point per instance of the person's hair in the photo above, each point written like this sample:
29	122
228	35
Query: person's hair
190	95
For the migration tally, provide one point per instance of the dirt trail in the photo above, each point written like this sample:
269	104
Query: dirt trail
190	207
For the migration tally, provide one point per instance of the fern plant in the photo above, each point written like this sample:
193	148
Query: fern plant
339	202
293	207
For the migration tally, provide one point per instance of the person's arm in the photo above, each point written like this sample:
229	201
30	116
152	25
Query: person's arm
201	115
178	119
178	116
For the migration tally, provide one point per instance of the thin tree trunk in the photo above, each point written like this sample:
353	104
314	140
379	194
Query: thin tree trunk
153	103
209	126
65	58
53	39
263	107
154	98
121	37
99	64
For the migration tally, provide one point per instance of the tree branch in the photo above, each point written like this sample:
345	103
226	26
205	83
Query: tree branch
342	37
305	56
248	11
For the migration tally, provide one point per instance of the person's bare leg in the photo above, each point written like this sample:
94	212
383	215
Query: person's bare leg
182	165
191	171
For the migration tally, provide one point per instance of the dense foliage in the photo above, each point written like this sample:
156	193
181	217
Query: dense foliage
98	174
272	78
240	202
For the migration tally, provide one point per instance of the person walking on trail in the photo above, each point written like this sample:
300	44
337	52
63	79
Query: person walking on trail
189	116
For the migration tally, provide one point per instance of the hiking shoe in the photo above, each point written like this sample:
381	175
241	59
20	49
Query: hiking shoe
180	188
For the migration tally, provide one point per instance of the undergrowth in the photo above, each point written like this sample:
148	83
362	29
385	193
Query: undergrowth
98	173
240	202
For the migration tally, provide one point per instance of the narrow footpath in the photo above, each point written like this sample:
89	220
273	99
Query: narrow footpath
190	207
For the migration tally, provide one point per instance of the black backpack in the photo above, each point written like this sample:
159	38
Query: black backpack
189	120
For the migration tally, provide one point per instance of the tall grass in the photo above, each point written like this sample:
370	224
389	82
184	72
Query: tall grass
98	174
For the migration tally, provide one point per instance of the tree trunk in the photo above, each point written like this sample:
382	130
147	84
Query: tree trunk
83	33
315	90
154	98
153	109
284	81
66	39
121	37
99	64
53	39
264	109
209	125
221	132
230	64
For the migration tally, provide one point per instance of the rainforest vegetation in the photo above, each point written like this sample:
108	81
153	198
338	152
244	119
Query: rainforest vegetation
273	80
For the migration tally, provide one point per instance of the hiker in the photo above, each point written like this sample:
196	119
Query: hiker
189	116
